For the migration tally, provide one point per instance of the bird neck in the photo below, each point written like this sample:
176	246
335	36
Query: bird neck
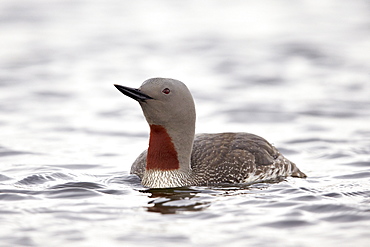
162	154
168	158
170	148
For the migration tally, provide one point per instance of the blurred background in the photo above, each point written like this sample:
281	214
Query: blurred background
295	72
247	63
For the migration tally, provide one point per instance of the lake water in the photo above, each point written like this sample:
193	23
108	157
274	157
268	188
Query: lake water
295	72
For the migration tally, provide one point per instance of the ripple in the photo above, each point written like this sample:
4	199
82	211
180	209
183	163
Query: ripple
365	194
287	223
87	186
333	195
357	175
72	193
131	180
8	212
335	155
325	208
347	217
15	197
10	152
336	109
328	113
84	185
306	198
357	164
37	179
316	139
76	166
279	204
4	178
73	190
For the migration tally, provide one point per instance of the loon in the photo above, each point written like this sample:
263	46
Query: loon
176	157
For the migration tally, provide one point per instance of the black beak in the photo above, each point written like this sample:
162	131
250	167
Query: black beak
133	93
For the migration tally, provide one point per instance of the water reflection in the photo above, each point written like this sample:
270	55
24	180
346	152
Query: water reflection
177	200
171	201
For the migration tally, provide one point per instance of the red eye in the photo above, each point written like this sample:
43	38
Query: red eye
166	91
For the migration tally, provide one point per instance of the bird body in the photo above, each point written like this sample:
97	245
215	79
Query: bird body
176	157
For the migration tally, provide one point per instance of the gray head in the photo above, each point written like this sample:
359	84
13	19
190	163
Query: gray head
166	102
169	109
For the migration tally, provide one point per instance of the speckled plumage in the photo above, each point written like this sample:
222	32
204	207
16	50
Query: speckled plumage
177	157
232	158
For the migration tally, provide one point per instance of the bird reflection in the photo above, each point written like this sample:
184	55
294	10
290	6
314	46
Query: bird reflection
172	201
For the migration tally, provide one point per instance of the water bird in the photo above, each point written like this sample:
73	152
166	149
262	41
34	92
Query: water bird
176	157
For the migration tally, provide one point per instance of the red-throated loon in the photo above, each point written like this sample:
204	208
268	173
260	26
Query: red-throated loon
176	157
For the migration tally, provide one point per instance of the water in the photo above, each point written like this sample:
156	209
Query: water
296	73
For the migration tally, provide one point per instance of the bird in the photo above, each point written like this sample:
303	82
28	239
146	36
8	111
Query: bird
177	157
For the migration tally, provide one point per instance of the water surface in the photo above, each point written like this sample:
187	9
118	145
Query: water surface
295	73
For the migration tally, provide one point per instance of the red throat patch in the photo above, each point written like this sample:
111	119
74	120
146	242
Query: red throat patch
162	154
